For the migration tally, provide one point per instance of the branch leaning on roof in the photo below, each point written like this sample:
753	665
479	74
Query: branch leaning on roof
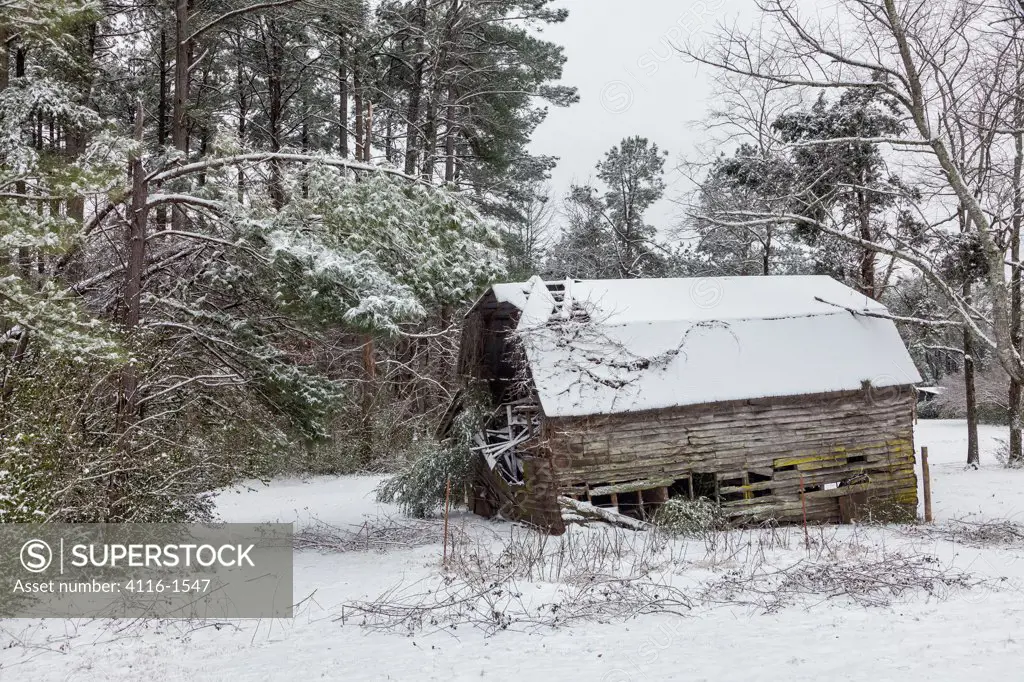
964	310
894	318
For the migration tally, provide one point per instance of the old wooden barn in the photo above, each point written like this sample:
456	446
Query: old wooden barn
776	396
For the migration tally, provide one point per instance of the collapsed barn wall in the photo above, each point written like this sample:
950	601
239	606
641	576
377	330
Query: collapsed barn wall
513	470
847	451
534	501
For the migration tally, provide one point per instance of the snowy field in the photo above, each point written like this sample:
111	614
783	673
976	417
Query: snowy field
751	609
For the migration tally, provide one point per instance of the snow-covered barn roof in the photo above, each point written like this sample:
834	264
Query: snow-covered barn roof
612	346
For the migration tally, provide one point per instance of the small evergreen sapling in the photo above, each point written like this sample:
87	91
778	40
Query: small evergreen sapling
419	489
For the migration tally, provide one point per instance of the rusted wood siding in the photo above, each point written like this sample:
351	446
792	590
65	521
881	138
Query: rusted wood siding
758	450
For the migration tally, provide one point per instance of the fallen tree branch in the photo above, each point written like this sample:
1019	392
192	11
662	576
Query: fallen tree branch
589	511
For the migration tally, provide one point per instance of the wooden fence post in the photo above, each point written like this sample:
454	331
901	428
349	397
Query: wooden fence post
926	479
803	503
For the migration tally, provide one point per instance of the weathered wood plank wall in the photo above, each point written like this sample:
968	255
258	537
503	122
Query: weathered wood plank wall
759	453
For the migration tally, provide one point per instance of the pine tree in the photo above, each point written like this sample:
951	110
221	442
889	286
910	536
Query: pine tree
607	235
847	182
750	180
199	313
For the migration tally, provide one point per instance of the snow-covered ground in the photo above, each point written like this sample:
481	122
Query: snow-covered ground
950	634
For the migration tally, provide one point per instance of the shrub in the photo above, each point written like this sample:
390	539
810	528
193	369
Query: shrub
681	516
1002	454
65	457
884	511
419	489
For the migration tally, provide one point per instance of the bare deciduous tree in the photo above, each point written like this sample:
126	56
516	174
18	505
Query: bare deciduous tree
951	70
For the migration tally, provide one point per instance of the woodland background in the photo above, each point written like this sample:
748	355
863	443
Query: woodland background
238	237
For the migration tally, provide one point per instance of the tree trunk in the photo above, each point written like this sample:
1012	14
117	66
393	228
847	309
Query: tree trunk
973	459
1016	455
368	144
867	257
135	242
357	100
389	136
179	123
366	401
275	112
179	126
136	258
342	92
161	113
443	89
161	107
412	127
449	139
412	114
766	255
429	140
243	113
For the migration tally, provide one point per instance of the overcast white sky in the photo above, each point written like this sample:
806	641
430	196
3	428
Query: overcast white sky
630	83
